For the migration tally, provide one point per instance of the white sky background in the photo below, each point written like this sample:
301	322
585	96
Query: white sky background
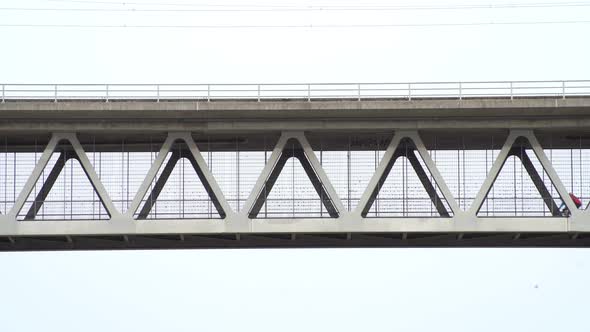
192	55
294	290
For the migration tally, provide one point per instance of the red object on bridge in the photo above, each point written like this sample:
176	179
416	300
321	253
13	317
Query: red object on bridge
576	200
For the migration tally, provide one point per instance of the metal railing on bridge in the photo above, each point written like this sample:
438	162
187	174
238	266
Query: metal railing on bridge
300	91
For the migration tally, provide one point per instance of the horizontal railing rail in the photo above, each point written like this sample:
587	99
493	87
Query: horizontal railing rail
303	91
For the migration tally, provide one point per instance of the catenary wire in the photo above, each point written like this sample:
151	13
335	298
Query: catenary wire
246	8
293	26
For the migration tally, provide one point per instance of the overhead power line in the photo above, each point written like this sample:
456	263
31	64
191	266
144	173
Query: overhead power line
294	26
255	8
241	4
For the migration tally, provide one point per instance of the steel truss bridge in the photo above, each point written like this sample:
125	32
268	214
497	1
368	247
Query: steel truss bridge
294	165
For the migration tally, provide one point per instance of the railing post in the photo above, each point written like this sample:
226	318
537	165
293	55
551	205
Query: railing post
3	92
258	92
460	91
208	92
107	93
55	93
511	95
309	92
563	89
158	93
409	91
359	91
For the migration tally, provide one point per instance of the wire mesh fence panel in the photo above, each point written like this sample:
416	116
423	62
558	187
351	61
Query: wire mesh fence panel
350	161
15	169
464	171
121	173
293	195
336	167
464	159
121	164
236	162
224	166
251	164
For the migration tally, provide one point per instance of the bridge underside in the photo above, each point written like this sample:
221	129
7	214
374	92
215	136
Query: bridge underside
296	240
248	174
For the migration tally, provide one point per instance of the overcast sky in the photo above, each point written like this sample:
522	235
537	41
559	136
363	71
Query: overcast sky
294	290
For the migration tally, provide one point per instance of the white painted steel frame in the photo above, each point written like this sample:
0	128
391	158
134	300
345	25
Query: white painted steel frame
348	222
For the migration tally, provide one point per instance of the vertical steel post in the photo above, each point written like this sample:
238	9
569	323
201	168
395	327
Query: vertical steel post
309	92
3	92
460	91
208	92
258	86
107	92
359	91
55	93
511	95
158	93
563	89
409	91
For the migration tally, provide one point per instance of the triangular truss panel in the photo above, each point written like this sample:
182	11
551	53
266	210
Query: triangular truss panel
122	165
179	185
522	188
63	186
405	187
464	159
293	195
293	184
349	161
236	162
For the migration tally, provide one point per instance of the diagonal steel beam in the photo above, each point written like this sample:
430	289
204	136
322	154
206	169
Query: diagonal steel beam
151	175
268	184
157	189
382	178
34	177
47	185
206	177
208	187
377	181
548	167
431	166
422	176
191	153
430	189
251	203
315	180
97	185
320	173
492	175
521	154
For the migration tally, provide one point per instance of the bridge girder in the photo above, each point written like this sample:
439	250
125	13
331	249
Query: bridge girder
454	227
